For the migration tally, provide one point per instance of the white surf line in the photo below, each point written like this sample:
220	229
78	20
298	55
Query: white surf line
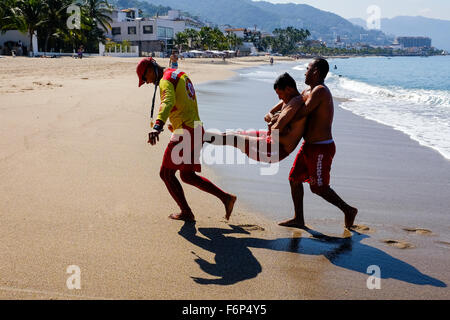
50	293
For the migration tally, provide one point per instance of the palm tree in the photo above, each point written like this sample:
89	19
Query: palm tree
23	15
181	39
95	20
54	24
206	38
218	39
233	41
98	11
193	37
5	12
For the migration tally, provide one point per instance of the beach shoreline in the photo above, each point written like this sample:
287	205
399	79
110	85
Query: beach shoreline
80	186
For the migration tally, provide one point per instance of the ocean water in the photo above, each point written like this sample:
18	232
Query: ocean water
410	95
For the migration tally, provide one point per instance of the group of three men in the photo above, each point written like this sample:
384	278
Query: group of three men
307	115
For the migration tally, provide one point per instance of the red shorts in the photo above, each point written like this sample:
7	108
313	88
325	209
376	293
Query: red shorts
183	151
313	164
263	149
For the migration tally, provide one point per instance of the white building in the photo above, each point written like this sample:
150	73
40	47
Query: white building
239	32
151	35
11	40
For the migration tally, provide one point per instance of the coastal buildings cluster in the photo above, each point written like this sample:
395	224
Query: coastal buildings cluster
413	45
155	36
150	35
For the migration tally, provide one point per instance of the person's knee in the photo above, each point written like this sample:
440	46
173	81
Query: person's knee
318	190
165	174
295	183
187	176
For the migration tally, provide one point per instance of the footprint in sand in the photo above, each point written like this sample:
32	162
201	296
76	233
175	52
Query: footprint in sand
48	84
443	244
423	232
398	244
251	227
362	228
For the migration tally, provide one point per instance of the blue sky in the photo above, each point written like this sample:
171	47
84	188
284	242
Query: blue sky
439	9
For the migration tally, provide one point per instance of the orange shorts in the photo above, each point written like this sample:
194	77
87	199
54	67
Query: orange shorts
313	164
265	149
184	156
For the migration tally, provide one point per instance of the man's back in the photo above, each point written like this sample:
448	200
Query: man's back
320	120
179	100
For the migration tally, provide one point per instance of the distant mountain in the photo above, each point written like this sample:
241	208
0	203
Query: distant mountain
437	30
359	22
148	9
268	16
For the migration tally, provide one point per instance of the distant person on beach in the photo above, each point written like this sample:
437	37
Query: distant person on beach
271	60
19	48
80	52
273	145
313	162
179	104
173	60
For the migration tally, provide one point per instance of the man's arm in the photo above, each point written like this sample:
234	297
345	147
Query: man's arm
287	115
314	100
277	108
167	100
167	103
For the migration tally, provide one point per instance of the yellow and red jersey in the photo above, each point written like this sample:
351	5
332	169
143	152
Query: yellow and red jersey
178	100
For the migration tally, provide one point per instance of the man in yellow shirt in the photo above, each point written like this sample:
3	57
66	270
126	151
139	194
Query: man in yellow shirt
179	105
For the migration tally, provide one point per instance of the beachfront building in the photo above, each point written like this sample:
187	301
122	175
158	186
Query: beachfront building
153	36
239	32
244	33
315	43
248	36
17	42
414	42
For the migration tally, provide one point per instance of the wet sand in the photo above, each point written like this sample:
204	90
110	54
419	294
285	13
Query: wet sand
80	186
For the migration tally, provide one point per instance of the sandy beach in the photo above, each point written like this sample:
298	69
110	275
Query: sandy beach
79	185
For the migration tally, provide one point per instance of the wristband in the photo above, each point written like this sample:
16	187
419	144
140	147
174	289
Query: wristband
159	125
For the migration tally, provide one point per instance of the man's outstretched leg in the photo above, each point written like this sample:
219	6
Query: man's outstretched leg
329	195
177	193
297	193
204	184
238	139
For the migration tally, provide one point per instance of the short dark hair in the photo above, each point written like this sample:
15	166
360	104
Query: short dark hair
283	81
322	66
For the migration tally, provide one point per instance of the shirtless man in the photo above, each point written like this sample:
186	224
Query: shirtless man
268	146
313	162
173	60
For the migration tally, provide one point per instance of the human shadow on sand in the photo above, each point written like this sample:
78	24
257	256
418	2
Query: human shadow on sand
234	262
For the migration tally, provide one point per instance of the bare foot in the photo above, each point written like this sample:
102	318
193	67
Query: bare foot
293	223
183	216
350	216
229	205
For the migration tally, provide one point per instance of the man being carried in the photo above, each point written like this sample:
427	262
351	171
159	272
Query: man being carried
313	162
179	104
272	145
